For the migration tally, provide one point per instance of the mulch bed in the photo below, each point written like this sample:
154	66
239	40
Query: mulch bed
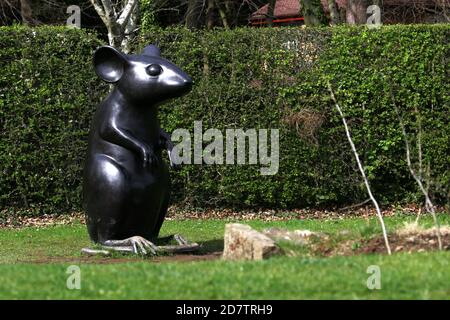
11	220
404	241
410	243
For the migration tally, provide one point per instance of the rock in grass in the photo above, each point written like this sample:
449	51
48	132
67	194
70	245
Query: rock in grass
241	242
299	237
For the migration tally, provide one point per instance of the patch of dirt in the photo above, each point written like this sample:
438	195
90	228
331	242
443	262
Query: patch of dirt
327	249
409	242
411	238
113	260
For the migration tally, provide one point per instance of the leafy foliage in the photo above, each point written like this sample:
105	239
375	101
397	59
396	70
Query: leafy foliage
253	78
47	95
406	67
244	78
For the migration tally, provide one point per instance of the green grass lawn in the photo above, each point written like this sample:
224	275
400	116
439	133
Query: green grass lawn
34	261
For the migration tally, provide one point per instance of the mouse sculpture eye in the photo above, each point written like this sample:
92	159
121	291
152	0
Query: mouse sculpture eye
154	70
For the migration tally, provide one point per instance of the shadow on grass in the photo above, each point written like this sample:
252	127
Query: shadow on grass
211	246
206	247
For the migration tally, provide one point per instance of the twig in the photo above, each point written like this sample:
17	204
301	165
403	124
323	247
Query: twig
361	169
419	142
354	205
418	216
428	204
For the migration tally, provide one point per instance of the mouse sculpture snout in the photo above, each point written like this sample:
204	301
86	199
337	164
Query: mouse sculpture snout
175	78
186	84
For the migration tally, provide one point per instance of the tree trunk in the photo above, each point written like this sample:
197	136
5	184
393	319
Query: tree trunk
270	12
312	11
120	19
25	12
129	30
115	36
443	5
357	11
230	11
191	21
342	14
223	15
210	15
334	13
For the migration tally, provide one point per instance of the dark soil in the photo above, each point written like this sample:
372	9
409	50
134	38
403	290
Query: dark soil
408	242
404	243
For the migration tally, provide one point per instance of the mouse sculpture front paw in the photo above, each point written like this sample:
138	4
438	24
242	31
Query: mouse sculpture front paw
142	246
173	165
149	157
135	244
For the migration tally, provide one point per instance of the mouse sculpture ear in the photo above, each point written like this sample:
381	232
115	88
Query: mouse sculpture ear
152	51
109	63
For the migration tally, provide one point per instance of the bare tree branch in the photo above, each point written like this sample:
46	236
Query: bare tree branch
334	14
98	7
361	169
120	27
126	13
428	204
25	11
223	15
108	10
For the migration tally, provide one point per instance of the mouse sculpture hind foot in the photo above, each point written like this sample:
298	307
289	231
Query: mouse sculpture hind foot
182	247
141	246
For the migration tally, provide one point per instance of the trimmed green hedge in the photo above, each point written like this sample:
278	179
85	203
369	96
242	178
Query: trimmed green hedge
277	78
47	94
405	68
244	78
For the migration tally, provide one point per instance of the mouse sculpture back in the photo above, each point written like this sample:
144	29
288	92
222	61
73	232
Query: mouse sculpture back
126	185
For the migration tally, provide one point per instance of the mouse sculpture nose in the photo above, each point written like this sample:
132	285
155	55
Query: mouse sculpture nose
187	83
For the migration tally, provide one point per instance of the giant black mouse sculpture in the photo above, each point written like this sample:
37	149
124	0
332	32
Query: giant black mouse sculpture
126	183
